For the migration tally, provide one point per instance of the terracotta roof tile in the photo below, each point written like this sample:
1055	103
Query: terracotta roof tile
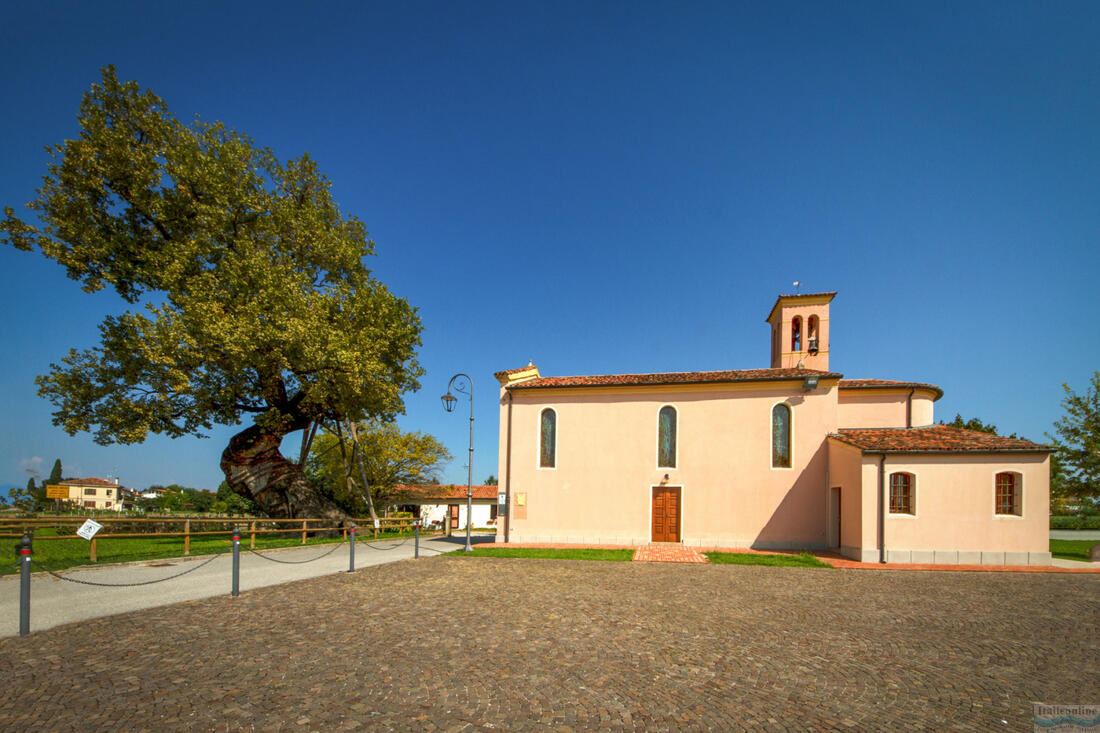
87	482
443	492
498	375
933	439
888	384
798	296
623	380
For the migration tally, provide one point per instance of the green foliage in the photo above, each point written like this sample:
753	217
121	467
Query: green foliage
491	481
801	560
25	500
1077	441
971	424
233	502
55	474
1078	521
1071	549
257	301
546	553
391	457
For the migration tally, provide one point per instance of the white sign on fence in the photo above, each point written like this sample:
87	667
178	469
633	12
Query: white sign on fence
89	528
377	524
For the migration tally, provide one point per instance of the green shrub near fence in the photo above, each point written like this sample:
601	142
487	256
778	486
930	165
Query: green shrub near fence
1078	522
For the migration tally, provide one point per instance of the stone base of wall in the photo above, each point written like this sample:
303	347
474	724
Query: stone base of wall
565	539
855	553
964	557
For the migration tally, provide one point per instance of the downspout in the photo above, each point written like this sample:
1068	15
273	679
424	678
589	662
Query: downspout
882	504
508	474
909	410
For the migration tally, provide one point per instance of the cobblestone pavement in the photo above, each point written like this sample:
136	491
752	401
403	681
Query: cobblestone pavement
457	643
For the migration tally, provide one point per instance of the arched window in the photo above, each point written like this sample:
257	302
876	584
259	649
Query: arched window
811	334
781	436
666	437
1008	493
901	493
796	333
548	439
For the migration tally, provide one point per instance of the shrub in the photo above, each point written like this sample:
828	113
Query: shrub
1077	522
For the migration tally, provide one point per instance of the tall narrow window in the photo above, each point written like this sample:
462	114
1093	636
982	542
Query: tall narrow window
901	493
1008	495
812	324
548	439
781	436
666	437
796	334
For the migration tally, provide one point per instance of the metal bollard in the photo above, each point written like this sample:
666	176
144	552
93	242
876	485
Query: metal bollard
236	561
25	585
351	560
416	544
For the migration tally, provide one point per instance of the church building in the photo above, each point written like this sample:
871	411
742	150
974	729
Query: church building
794	456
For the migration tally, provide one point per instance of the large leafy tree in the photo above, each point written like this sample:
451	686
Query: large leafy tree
256	303
1077	441
381	455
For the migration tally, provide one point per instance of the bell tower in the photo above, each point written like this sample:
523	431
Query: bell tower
800	331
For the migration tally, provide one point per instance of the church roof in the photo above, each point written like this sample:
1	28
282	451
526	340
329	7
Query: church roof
933	439
87	482
888	384
624	380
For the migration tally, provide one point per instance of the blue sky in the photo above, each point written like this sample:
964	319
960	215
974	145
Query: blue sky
619	187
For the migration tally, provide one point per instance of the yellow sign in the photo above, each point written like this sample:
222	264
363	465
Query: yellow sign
57	491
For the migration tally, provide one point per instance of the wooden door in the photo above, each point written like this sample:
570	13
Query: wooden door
666	514
454	515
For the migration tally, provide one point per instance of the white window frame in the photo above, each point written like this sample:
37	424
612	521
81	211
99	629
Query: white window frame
1019	495
913	494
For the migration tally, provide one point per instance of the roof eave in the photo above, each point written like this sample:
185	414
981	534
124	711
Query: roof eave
828	376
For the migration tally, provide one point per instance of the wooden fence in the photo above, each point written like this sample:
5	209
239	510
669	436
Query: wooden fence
191	527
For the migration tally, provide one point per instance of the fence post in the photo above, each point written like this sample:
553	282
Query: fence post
351	562
93	556
236	560
187	536
304	530
416	544
25	585
252	539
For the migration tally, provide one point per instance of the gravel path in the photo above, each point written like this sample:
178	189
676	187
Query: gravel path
457	643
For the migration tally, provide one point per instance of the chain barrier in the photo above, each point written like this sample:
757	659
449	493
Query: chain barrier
383	549
335	547
126	585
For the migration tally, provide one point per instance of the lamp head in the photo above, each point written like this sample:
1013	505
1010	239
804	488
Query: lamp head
449	401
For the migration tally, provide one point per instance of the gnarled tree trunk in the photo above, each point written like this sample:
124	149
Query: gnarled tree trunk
255	469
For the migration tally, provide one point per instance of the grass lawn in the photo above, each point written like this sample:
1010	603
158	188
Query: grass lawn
1071	549
802	560
548	553
73	551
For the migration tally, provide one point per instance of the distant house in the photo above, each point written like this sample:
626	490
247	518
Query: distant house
94	493
444	506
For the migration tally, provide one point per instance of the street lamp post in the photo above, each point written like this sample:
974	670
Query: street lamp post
449	401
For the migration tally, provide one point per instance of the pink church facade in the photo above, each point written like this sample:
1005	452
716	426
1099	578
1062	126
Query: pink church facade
789	457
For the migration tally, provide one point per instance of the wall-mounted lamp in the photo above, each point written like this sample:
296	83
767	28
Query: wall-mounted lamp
809	383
